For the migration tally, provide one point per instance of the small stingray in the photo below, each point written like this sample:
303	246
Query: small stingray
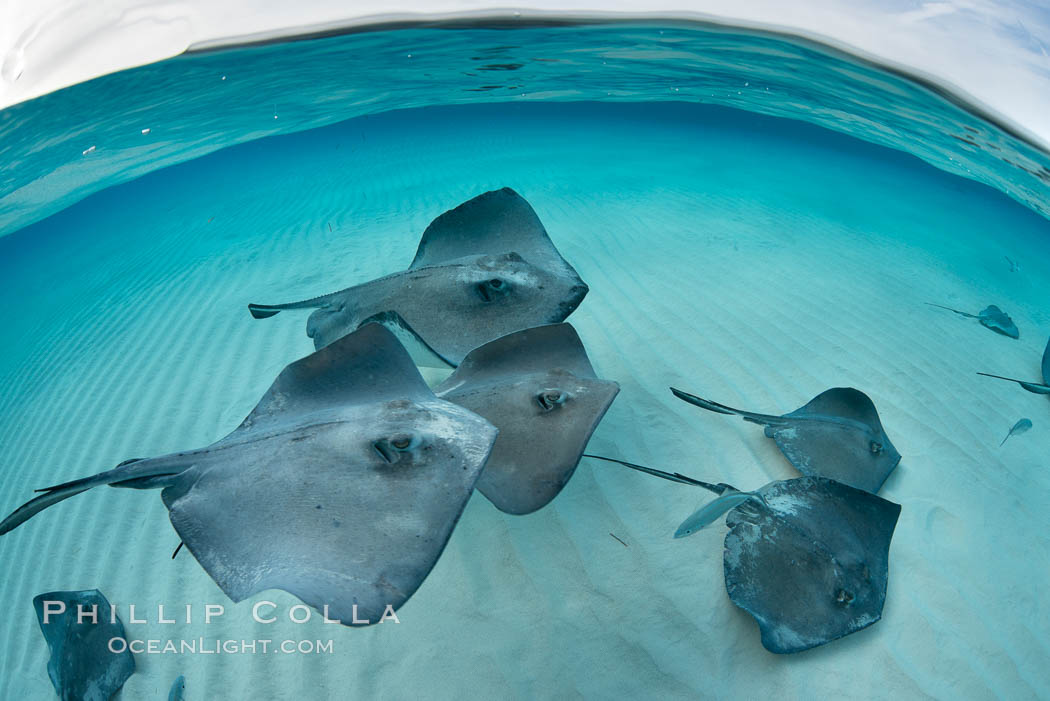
808	558
482	270
991	317
538	388
1033	387
837	435
1020	427
341	487
82	666
177	689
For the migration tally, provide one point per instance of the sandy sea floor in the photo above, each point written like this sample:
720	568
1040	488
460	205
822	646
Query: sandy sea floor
753	261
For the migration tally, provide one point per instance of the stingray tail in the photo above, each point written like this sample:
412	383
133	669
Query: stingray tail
265	311
764	419
670	476
1033	387
128	470
941	306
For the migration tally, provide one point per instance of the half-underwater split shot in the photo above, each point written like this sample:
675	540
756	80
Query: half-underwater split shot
521	355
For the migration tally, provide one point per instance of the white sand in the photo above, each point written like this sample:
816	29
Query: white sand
757	273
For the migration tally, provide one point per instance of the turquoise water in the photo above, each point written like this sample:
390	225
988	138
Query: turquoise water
755	258
201	102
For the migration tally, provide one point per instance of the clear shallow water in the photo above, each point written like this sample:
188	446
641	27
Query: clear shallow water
198	103
757	259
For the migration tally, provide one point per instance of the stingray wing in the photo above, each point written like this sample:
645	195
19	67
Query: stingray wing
538	387
81	666
839	450
360	366
812	565
321	514
842	402
494	223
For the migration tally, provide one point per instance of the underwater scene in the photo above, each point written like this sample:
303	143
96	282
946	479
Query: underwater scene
610	360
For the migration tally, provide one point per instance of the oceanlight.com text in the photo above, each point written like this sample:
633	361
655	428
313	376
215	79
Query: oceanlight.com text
202	646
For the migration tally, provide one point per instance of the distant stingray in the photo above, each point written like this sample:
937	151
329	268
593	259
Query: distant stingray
837	435
482	270
341	487
83	666
539	389
1033	387
177	689
1020	427
991	317
808	558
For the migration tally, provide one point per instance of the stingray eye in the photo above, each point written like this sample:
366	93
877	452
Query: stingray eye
404	441
875	447
550	399
843	597
393	448
492	289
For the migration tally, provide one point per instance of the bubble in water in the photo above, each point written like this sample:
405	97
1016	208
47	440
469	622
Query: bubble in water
146	130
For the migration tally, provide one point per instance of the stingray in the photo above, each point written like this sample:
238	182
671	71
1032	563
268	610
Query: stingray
178	687
808	557
991	317
810	562
539	389
1033	387
1020	427
482	270
78	627
341	487
838	435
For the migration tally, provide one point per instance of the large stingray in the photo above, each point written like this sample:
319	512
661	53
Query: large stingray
482	270
1033	387
991	317
539	389
809	562
78	627
838	435
341	487
808	558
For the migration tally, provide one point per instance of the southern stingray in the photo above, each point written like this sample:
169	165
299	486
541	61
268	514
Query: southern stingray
482	270
808	557
837	435
78	627
991	317
538	388
1033	387
1020	427
178	689
341	487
